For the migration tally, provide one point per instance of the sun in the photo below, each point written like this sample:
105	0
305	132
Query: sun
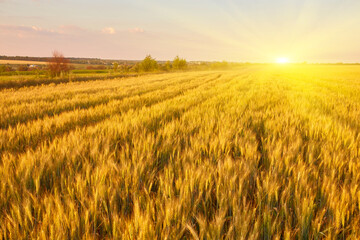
282	60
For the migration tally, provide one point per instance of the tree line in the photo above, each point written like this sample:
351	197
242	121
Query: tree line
59	65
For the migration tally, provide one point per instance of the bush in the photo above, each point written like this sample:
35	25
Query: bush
58	64
179	63
167	66
100	67
115	66
125	68
23	68
5	68
135	68
149	64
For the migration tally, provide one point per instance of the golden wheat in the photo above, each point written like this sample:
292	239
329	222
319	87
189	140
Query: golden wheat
259	152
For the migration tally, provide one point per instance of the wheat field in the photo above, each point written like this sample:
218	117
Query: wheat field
258	152
3	61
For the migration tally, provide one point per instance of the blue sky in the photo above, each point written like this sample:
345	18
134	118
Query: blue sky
258	30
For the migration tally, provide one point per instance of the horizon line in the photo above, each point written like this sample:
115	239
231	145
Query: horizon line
164	60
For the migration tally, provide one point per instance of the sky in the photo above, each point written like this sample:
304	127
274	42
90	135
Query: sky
212	30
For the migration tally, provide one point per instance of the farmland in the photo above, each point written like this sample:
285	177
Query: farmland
3	61
256	152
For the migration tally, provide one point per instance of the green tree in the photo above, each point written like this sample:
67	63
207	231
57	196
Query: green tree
179	63
135	68
149	64
115	66
125	68
167	66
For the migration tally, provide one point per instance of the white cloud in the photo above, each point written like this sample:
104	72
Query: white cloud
108	30
23	31
37	29
136	30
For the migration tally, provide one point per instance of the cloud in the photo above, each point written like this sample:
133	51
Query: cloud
136	30
36	29
71	29
108	30
31	31
21	30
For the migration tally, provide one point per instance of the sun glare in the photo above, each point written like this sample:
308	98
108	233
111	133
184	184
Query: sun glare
282	60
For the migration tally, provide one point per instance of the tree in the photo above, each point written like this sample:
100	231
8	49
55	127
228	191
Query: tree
179	63
5	68
23	68
116	65
135	67
168	66
148	64
125	68
58	64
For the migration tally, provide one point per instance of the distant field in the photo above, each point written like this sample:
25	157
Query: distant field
261	152
28	80
18	62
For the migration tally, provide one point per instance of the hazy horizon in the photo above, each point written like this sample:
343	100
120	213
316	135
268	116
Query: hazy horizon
242	31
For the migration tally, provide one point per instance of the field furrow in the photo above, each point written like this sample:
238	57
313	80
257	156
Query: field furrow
14	114
23	137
